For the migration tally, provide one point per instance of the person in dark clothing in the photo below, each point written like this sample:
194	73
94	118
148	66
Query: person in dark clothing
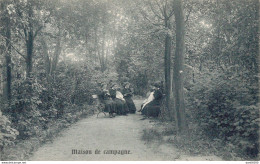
106	99
128	93
120	103
151	106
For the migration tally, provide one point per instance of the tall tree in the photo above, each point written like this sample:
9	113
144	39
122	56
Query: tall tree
31	22
179	67
162	12
167	57
7	50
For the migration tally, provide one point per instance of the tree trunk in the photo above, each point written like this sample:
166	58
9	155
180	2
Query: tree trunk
167	69
96	45
103	67
29	44
56	53
106	58
8	57
179	68
1	75
6	50
46	57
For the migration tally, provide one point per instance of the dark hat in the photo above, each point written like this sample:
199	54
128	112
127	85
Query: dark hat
126	83
113	84
157	84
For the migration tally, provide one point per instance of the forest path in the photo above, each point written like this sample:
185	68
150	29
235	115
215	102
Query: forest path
103	133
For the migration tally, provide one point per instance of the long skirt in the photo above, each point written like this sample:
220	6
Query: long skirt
109	106
130	104
151	109
120	106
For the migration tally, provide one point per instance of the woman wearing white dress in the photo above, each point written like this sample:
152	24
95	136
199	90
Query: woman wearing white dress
151	106
119	101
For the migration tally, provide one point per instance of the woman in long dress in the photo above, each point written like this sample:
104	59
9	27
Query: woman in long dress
128	93
151	106
107	101
119	101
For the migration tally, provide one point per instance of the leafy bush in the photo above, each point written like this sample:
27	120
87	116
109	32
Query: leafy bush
8	134
227	109
24	109
38	101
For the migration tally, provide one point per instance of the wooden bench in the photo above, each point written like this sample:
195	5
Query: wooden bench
100	105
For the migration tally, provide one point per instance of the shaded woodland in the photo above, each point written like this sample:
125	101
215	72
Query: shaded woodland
55	54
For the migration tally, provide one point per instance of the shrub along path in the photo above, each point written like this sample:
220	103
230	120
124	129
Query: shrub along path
105	134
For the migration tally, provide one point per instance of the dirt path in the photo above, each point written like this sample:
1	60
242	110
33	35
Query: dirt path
103	133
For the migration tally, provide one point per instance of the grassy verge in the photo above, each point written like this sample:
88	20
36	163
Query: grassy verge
192	144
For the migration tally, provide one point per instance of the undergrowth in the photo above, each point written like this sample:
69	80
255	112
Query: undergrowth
192	143
23	148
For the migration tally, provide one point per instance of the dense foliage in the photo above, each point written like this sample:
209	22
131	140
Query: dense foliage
54	54
223	96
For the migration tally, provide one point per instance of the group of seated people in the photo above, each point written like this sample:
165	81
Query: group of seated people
119	101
